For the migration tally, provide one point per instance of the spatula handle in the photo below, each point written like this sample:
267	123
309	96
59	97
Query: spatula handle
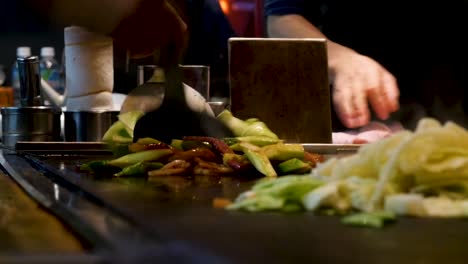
170	59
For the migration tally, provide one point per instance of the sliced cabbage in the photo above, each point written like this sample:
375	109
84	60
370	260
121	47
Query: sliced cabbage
427	123
436	155
445	207
406	204
326	195
422	174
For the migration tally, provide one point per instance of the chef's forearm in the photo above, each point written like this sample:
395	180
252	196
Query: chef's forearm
102	16
291	26
296	26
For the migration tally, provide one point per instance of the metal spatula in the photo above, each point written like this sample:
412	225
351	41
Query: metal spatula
174	119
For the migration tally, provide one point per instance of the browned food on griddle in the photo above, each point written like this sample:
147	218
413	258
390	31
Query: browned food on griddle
237	162
219	145
136	147
221	203
210	168
313	158
175	167
188	155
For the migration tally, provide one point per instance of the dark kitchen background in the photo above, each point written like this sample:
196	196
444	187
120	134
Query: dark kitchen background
243	17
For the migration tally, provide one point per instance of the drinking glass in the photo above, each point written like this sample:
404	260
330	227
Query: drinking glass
195	76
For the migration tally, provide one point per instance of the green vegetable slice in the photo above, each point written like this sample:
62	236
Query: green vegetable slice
258	159
139	168
240	128
375	219
282	151
294	166
133	158
129	120
255	140
283	194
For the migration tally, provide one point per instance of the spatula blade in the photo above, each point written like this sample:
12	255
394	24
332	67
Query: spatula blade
166	125
174	119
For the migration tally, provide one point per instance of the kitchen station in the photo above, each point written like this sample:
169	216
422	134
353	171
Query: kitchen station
183	167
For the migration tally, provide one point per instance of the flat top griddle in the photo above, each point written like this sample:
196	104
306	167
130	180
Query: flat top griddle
180	209
26	228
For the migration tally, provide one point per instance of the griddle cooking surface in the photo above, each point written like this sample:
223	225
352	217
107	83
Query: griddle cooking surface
180	208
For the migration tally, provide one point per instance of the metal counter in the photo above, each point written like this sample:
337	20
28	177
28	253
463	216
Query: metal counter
26	227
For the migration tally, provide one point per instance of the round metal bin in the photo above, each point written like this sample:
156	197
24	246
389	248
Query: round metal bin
34	123
88	126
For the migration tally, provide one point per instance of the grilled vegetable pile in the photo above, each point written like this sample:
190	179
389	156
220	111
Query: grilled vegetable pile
254	150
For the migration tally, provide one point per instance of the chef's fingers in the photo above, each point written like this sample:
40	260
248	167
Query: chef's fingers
384	97
350	102
378	103
378	94
392	91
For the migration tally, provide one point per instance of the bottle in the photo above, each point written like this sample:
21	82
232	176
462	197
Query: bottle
6	95
2	75
21	52
50	70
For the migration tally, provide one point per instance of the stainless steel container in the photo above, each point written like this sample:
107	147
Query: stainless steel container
34	123
88	125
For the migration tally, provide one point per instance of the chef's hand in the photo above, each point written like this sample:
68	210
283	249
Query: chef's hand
358	81
152	27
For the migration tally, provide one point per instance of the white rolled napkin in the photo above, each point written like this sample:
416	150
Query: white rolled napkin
98	101
89	70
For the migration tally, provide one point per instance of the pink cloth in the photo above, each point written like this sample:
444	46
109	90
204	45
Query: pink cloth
374	131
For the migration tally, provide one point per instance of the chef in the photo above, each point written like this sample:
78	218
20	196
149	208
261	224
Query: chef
392	55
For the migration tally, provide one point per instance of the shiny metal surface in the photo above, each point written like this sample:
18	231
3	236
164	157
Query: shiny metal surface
93	148
63	148
29	229
11	140
109	236
332	149
86	126
35	123
30	81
